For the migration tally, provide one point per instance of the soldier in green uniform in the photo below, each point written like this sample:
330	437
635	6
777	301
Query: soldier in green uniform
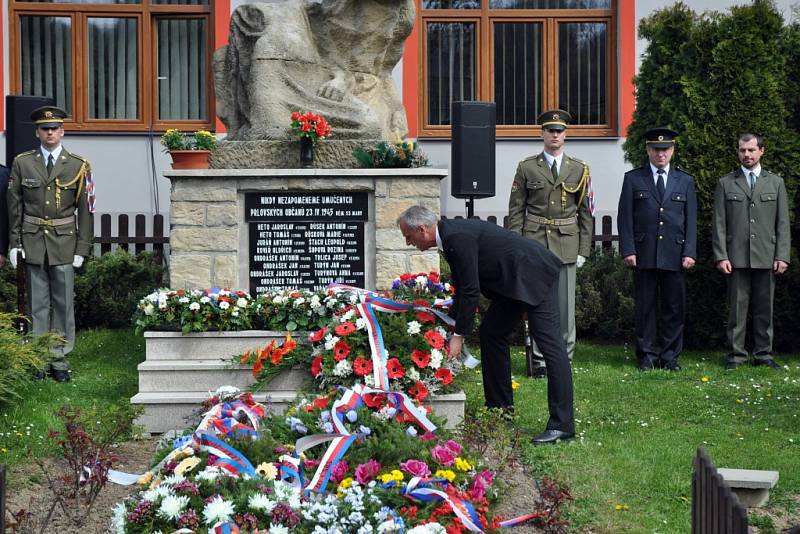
751	245
551	202
50	209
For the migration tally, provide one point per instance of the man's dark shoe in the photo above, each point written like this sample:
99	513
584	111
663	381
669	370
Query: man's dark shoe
672	366
646	365
768	362
730	366
39	375
539	372
59	376
552	436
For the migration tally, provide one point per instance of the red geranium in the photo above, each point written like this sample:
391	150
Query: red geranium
418	391
310	125
434	339
316	366
425	317
318	335
362	366
341	350
345	328
444	375
395	369
421	359
374	400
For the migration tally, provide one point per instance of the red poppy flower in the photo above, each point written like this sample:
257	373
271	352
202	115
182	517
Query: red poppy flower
407	276
444	375
345	328
395	369
320	403
425	317
341	350
434	339
418	391
374	400
318	335
316	366
362	366
433	276
421	359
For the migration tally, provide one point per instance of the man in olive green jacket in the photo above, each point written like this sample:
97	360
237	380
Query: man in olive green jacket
550	202
751	245
50	206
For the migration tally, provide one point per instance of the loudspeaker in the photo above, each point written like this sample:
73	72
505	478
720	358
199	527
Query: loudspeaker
472	151
20	130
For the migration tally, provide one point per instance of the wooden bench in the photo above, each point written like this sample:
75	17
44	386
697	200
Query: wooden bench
750	485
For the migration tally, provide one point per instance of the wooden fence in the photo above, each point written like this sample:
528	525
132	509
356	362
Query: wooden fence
715	508
139	241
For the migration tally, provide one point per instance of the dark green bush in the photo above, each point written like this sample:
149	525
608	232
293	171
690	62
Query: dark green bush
108	287
604	298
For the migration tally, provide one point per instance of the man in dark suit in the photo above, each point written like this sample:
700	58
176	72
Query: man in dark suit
3	214
657	224
751	245
485	258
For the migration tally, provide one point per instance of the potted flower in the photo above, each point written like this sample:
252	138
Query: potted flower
189	151
310	127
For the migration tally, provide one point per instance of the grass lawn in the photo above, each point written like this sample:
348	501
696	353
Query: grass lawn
104	372
638	432
630	468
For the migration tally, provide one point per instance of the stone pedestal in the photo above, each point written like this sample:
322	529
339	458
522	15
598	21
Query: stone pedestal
209	237
181	371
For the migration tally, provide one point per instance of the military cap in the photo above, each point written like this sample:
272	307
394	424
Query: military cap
48	117
660	137
555	119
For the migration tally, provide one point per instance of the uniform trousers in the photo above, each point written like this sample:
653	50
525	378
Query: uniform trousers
50	298
659	294
566	313
750	290
495	331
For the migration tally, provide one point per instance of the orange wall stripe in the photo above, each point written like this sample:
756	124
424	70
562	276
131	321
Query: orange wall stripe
222	22
411	73
2	70
627	63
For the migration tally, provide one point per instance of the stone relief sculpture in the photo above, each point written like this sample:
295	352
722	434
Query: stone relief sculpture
334	57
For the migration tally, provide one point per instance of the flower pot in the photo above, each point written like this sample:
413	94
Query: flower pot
306	152
189	159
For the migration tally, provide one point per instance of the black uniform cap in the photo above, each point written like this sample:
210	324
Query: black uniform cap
660	137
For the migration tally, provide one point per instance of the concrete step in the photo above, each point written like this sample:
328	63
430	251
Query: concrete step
750	485
207	345
189	375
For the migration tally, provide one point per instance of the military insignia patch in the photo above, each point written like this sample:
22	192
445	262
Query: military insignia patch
514	186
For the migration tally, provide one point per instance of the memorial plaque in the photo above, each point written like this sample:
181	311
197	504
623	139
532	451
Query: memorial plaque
305	239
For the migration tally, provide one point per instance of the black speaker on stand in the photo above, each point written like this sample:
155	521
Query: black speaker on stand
472	151
20	130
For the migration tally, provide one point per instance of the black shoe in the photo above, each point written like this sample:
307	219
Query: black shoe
39	375
552	436
672	366
646	365
539	372
730	366
59	376
769	362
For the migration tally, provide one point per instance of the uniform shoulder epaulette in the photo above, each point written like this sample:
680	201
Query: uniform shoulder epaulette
26	153
576	160
684	171
636	169
535	156
76	156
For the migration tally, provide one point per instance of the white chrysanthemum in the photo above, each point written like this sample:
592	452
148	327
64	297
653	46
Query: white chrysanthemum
429	528
118	519
314	302
227	392
437	357
209	474
194	306
277	299
348	315
278	529
224	292
421	281
369	380
218	510
235	313
259	501
343	368
389	526
412	374
288	494
360	323
241	302
157	493
183	300
224	305
149	309
172	480
204	300
173	506
413	328
299	302
330	341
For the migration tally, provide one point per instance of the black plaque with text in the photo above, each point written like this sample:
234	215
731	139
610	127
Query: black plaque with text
305	239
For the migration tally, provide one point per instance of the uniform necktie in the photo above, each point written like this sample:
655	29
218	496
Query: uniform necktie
752	181
661	186
554	169
50	164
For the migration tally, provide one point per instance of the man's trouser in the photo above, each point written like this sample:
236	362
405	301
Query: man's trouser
51	305
752	289
566	311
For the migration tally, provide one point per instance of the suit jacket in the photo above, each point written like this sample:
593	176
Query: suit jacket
485	258
751	229
535	193
3	210
60	195
659	233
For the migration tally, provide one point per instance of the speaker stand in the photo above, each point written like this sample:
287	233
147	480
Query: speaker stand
470	203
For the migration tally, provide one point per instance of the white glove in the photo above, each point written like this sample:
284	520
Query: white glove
580	261
12	256
77	261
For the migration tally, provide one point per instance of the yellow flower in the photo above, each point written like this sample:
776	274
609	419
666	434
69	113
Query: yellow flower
397	475
445	473
621	507
267	470
514	384
462	464
145	479
386	478
346	483
187	465
705	379
4	450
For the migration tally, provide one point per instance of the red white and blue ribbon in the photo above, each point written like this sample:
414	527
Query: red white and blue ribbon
421	489
228	458
91	194
225	528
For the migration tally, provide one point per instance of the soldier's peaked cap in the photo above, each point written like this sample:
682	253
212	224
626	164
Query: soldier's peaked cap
555	119
48	117
660	137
